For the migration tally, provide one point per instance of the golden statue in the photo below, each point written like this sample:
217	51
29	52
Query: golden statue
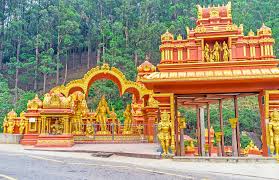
207	53
78	104
101	115
216	52
251	147
226	53
89	129
273	128
164	135
11	125
152	102
57	128
5	125
113	117
22	123
128	120
181	121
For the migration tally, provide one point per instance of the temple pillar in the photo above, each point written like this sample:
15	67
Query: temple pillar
218	142
198	131
221	126
43	130
176	127
39	125
208	131
151	115
237	125
202	131
66	125
233	122
263	123
182	151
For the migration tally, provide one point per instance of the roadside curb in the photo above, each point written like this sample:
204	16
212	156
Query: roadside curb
148	156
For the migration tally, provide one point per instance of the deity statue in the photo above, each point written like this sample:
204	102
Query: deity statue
216	52
113	117
101	115
164	135
5	125
77	124
89	129
10	128
207	53
22	123
181	121
250	147
128	120
226	53
273	128
57	128
152	102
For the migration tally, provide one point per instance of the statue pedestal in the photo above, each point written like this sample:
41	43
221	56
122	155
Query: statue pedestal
10	138
55	141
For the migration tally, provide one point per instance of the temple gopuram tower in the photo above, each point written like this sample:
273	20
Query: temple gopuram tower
216	61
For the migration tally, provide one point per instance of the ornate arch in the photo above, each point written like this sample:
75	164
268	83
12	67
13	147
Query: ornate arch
103	72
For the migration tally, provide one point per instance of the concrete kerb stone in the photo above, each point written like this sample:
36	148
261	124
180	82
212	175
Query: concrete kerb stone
226	159
149	156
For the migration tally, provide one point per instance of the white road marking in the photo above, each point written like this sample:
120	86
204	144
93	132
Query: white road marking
43	158
7	177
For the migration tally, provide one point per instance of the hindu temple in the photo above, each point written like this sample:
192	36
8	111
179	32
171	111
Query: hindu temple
214	62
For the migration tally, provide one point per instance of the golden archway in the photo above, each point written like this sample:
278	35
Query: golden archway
103	72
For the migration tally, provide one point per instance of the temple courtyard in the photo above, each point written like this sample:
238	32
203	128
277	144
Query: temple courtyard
21	163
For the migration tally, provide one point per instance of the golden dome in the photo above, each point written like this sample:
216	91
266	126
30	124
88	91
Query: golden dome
12	114
167	36
251	33
35	103
264	30
55	100
146	66
179	37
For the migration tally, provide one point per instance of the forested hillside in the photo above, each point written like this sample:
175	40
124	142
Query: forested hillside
44	43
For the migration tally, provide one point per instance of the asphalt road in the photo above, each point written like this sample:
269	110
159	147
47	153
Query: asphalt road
40	167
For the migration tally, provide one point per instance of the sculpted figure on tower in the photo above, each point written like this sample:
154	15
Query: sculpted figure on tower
216	52
207	53
226	54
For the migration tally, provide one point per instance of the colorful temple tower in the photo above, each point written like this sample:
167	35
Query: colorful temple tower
216	61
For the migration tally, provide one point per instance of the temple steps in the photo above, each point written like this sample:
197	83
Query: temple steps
29	139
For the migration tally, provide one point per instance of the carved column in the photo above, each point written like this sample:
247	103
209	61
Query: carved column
218	141
66	125
43	130
202	130
233	122
39	125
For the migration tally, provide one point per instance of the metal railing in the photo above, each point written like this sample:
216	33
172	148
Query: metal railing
113	132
